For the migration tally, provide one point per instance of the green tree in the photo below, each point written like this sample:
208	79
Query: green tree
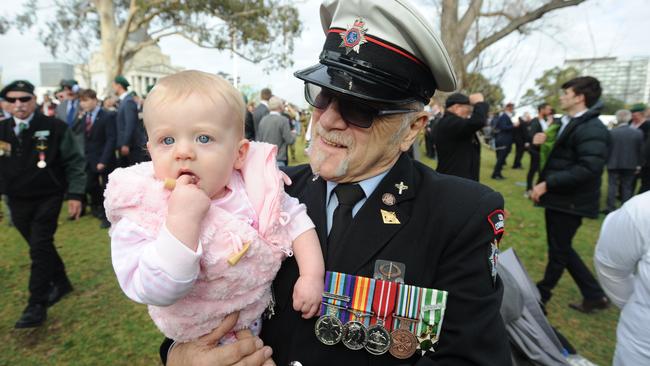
256	30
477	83
611	104
548	87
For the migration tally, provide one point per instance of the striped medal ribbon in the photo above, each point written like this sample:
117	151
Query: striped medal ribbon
383	303
328	327
362	295
432	312
406	316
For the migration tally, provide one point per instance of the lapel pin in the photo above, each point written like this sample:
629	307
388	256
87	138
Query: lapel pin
401	187
388	199
389	217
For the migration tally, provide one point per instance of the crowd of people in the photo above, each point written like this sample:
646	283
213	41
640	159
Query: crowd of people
234	250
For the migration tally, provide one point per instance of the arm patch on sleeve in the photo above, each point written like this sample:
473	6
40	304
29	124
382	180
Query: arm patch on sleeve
498	221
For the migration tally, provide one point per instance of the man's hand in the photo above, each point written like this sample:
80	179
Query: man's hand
538	191
539	138
124	150
246	351
74	209
476	98
100	167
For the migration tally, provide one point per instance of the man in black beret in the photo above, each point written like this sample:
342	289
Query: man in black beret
459	150
370	202
42	164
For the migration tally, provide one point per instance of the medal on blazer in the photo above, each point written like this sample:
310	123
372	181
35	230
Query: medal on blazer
41	146
407	311
432	311
5	148
383	303
328	328
355	332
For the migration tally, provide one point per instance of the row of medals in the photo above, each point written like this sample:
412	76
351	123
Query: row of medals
401	343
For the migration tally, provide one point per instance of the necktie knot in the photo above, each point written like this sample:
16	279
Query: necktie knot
349	194
22	126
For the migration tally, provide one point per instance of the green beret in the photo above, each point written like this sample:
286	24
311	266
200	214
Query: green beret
18	85
638	107
122	81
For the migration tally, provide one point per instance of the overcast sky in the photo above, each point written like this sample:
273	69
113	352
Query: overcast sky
595	28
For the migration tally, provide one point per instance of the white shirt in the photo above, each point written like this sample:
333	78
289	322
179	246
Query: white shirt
19	121
566	119
368	186
622	261
123	95
543	123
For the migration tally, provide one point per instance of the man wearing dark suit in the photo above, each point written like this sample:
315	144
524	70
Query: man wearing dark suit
370	201
42	165
68	109
98	128
569	187
639	122
261	110
625	159
537	125
459	151
503	139
131	139
519	133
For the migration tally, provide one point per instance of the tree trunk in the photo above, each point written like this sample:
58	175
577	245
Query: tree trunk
452	40
108	30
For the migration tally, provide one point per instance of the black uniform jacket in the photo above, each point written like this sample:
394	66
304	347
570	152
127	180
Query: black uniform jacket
575	165
443	239
459	151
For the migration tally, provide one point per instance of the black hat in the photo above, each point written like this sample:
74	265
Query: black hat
380	51
456	98
18	85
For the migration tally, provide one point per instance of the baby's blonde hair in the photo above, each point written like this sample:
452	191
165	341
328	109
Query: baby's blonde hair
174	88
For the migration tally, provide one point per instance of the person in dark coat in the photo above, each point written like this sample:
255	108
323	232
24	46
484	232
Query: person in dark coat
640	122
625	159
569	187
131	137
370	201
459	151
502	126
261	110
98	128
42	164
537	125
519	132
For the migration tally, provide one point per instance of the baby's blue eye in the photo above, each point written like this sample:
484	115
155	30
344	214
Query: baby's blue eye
167	140
204	139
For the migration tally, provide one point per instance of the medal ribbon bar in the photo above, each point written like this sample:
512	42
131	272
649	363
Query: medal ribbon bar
362	296
432	312
408	307
384	302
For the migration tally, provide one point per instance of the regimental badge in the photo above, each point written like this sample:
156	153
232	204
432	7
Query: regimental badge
498	221
389	217
493	259
354	36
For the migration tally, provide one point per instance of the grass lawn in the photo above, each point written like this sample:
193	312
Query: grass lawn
98	325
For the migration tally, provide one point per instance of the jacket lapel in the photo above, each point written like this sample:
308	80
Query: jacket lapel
368	232
314	199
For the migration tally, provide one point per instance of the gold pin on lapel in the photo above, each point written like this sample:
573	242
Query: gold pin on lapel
389	217
401	187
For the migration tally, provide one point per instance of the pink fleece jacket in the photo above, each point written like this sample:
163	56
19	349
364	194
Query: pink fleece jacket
219	289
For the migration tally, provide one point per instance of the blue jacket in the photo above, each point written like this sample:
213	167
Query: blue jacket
503	126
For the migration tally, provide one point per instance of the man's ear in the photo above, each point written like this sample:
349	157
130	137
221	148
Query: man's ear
412	132
242	152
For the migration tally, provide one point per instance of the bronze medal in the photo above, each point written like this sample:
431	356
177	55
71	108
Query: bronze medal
404	344
355	335
329	330
379	340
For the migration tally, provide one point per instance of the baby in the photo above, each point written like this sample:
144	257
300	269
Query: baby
200	231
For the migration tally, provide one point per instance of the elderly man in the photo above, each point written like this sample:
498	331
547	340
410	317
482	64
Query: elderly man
41	165
275	128
625	158
459	151
370	202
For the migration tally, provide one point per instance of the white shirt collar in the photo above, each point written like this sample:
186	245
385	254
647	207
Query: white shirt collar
19	121
123	95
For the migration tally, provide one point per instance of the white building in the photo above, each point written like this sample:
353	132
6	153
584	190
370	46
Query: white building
627	80
144	69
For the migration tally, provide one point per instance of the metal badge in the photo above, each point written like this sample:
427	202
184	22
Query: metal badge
401	187
41	164
354	36
329	330
389	217
388	199
379	340
355	335
404	344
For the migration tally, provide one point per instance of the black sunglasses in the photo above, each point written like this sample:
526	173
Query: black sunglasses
22	99
353	112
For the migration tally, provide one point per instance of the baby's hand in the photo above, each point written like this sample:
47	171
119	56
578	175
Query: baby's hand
188	201
307	295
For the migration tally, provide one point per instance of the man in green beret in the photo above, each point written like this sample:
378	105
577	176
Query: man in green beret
131	138
42	164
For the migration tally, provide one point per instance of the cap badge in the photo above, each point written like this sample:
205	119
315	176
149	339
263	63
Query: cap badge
20	84
354	36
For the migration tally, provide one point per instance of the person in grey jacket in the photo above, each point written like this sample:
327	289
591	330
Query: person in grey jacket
625	159
275	129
